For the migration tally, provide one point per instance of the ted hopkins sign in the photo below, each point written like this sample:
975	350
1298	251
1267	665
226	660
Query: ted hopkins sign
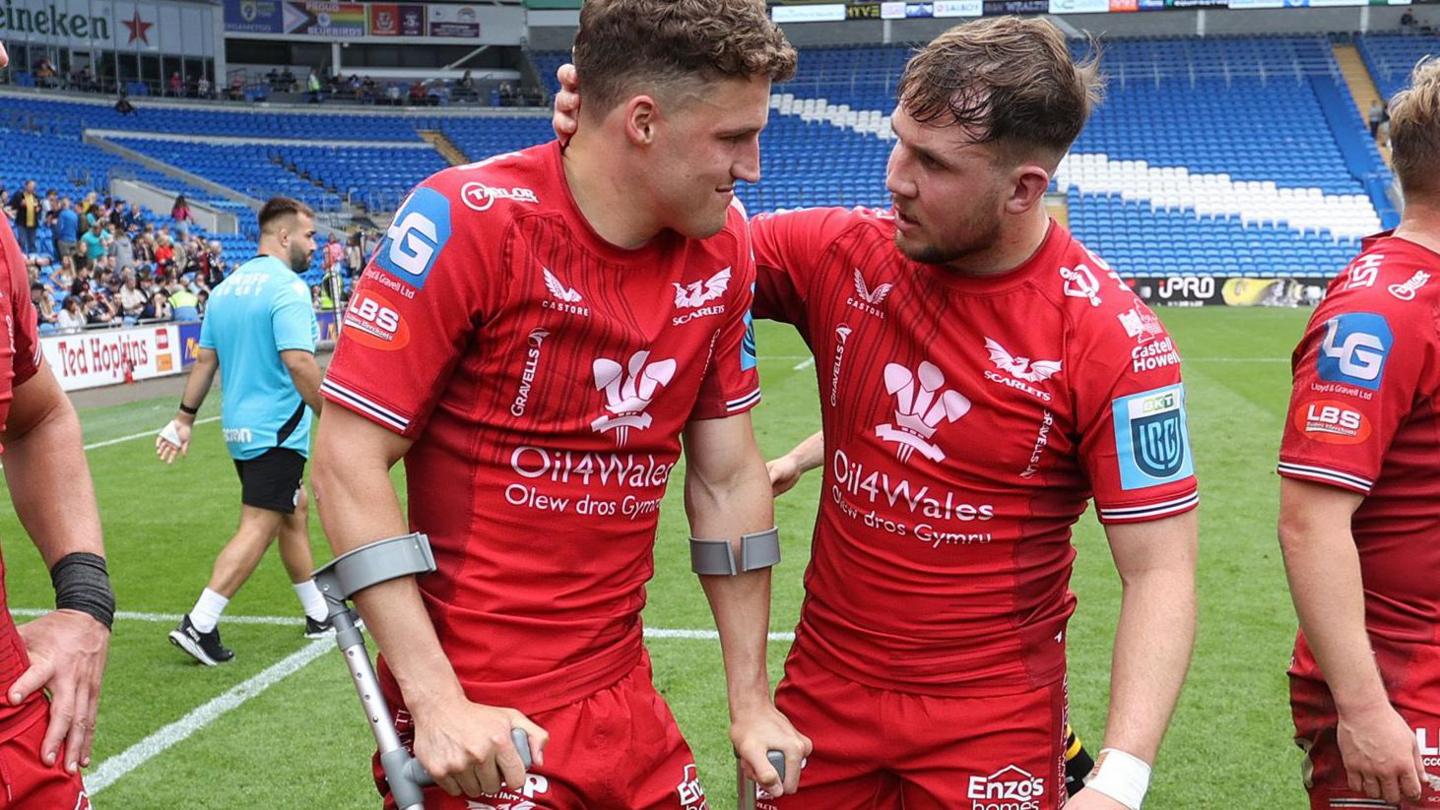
91	359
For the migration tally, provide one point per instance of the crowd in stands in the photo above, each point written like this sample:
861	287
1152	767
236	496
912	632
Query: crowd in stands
98	261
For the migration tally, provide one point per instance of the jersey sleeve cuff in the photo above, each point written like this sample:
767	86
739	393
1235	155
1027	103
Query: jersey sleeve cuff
1325	475
731	407
1158	510
366	407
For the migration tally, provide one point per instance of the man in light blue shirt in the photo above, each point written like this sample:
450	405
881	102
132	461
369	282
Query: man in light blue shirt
260	328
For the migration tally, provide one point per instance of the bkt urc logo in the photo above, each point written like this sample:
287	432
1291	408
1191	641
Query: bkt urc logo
1152	440
1355	349
416	236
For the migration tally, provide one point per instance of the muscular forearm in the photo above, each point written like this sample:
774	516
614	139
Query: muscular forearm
1153	643
305	373
740	604
46	460
1323	568
359	506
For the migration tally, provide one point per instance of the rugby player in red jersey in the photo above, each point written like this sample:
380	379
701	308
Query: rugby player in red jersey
1360	500
982	377
533	336
45	742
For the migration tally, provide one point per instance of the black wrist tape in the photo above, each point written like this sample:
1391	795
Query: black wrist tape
82	583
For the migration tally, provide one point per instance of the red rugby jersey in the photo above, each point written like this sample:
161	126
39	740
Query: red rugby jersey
20	358
968	420
1363	417
545	376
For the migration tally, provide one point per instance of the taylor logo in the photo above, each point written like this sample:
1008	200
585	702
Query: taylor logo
921	407
628	392
1081	283
1021	368
867	300
698	293
479	197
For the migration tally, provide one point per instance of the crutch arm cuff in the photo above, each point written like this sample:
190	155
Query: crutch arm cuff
758	550
374	563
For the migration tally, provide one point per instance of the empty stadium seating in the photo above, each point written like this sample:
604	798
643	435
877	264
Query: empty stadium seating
1391	57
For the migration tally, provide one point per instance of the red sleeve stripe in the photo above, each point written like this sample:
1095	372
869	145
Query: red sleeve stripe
39	354
1325	476
744	402
1153	511
349	398
1375	803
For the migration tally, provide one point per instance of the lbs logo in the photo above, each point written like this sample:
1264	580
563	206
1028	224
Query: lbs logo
372	320
1333	422
1152	440
1355	349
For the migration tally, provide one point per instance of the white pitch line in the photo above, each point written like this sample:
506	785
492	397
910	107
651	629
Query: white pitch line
107	772
804	364
133	436
290	621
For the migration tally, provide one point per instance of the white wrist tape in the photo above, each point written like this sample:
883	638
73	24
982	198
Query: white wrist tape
1121	776
170	433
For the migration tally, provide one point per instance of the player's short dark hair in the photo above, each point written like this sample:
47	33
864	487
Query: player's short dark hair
279	207
628	46
1010	80
1415	130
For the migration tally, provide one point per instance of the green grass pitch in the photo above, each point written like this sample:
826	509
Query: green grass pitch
303	743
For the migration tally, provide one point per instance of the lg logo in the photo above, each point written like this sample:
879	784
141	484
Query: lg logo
415	238
1355	348
413	243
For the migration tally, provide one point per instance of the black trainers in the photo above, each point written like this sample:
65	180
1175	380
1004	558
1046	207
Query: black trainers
203	647
320	629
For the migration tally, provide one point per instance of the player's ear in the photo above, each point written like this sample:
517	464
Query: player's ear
1028	184
640	117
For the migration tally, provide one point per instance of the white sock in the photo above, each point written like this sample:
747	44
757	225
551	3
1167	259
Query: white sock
206	613
311	600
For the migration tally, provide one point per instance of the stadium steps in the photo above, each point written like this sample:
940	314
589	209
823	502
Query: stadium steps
1361	84
185	177
444	146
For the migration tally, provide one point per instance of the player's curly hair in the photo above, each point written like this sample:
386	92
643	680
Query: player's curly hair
1415	130
629	46
1009	80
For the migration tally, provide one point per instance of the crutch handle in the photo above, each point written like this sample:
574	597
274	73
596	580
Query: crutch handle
746	788
417	774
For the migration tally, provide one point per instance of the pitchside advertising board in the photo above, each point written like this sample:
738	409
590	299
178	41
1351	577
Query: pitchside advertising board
1198	290
798	11
106	357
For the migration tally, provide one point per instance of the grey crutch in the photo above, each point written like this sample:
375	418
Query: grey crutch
745	788
342	578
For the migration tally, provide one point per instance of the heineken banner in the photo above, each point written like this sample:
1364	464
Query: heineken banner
173	28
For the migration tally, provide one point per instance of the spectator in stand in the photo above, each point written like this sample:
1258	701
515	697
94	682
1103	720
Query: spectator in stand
45	74
317	298
183	303
417	93
46	318
61	279
202	300
312	84
202	87
507	95
51	201
25	206
67	227
84	80
93	243
177	85
368	90
1377	114
70	318
334	253
130	298
354	257
215	270
465	88
123	105
180	259
157	308
164	253
392	94
122	249
180	212
1408	23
